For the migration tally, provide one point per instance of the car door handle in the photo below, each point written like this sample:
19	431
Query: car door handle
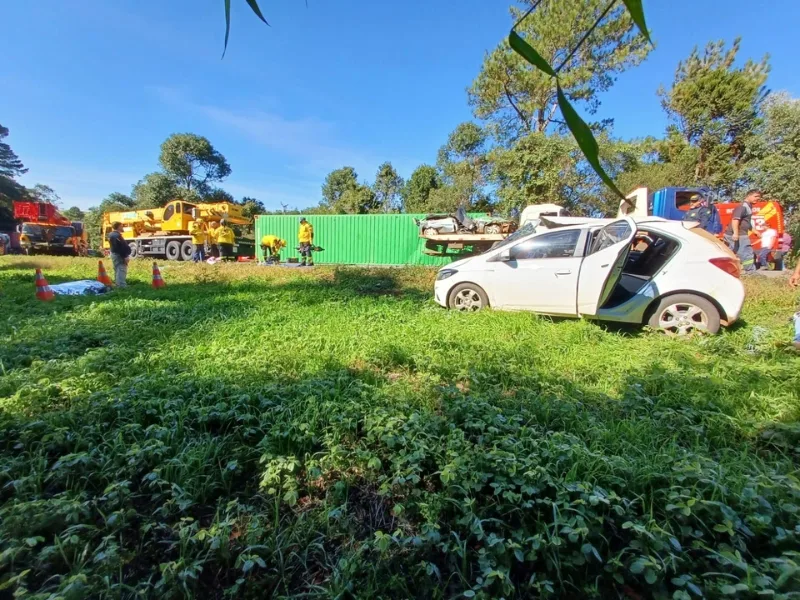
564	272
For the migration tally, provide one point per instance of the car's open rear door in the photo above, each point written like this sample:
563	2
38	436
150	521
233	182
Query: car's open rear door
602	268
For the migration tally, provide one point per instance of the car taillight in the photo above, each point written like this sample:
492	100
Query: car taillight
729	265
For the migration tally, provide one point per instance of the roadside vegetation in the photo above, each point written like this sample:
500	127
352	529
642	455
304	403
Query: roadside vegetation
250	432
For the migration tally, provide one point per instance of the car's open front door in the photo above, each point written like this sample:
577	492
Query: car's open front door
602	268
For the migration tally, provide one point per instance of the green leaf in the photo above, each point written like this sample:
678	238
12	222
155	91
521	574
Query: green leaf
525	50
728	590
254	5
227	25
637	14
637	567
585	138
650	576
469	594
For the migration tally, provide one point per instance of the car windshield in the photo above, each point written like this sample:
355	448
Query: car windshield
527	229
65	231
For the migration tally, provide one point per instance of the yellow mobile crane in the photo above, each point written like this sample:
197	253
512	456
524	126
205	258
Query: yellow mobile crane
164	232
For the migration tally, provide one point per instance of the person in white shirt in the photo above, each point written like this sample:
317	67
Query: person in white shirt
768	238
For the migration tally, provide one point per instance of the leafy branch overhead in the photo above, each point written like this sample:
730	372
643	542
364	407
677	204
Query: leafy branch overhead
580	130
253	4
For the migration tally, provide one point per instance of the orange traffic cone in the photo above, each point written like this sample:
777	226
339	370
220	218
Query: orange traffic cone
102	276
157	281
43	291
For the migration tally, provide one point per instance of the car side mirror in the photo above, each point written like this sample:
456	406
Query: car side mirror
505	255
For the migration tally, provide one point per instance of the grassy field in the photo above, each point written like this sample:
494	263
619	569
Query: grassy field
254	432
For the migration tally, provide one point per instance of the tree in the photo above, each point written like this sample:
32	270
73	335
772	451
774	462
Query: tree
44	193
192	162
417	190
217	195
518	98
715	108
336	184
777	151
537	169
74	213
11	167
93	219
464	165
387	187
250	208
156	189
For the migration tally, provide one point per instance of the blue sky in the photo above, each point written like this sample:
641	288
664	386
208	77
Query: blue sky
90	88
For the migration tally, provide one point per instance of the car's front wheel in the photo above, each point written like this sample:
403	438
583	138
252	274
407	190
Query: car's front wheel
685	314
468	297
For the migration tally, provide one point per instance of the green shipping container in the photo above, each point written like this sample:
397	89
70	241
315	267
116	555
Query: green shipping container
391	239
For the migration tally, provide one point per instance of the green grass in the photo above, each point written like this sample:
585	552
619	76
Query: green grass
258	432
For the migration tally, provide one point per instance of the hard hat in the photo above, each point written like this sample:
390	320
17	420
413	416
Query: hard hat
302	219
223	222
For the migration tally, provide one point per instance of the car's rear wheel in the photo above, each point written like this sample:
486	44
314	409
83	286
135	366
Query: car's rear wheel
429	231
685	314
493	229
467	297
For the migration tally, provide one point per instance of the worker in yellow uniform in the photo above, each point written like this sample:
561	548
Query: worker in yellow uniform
213	247
305	235
271	247
225	240
198	241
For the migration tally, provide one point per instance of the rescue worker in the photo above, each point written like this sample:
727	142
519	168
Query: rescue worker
737	235
120	254
198	241
213	247
305	235
699	211
784	248
271	247
226	238
766	245
794	281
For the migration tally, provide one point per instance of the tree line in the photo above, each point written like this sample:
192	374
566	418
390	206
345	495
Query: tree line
725	131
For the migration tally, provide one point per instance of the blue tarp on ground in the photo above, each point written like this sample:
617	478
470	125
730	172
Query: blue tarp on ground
85	287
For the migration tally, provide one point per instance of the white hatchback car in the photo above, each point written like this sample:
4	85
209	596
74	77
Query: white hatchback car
669	275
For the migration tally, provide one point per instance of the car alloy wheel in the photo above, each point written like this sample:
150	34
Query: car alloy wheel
468	300
683	318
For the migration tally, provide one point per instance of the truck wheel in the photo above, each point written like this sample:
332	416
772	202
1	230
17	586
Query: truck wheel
173	250
133	248
467	297
685	314
186	250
